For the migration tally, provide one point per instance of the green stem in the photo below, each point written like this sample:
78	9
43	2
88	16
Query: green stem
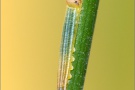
83	44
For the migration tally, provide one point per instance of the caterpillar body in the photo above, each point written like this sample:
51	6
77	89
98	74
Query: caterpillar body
67	44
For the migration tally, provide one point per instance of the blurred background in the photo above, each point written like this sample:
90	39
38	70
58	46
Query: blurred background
30	43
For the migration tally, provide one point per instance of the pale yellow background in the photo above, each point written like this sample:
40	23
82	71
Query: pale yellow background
31	35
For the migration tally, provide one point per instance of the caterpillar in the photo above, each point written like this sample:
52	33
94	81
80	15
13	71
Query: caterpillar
68	42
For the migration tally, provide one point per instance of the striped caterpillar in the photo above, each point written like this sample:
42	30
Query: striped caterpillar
68	42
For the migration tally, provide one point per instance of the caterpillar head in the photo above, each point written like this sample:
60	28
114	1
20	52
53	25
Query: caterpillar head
74	3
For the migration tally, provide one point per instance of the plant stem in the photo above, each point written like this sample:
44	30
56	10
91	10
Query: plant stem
83	44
